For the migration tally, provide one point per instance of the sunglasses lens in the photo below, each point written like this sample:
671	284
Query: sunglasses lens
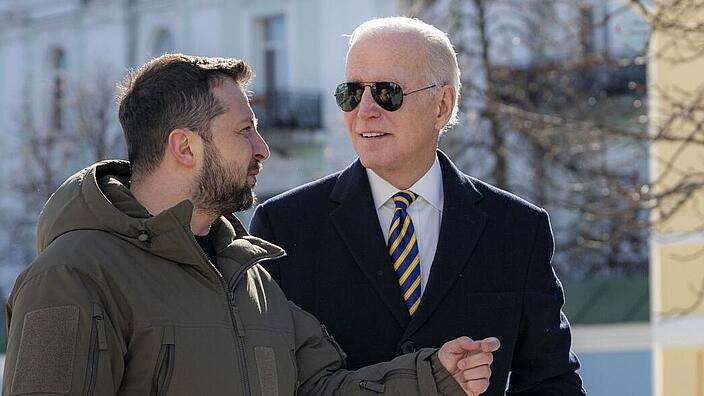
388	95
348	95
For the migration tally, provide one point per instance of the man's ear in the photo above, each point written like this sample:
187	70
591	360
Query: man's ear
445	105
182	145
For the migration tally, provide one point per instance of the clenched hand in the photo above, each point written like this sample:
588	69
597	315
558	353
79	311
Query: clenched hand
468	361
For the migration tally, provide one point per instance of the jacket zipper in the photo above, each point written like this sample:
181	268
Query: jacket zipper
98	342
163	370
400	372
236	324
292	353
380	387
333	342
239	331
234	315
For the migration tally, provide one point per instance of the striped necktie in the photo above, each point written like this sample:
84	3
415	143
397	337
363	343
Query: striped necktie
403	249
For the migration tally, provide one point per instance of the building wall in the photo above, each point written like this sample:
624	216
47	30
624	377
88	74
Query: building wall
677	245
615	358
617	373
95	37
102	39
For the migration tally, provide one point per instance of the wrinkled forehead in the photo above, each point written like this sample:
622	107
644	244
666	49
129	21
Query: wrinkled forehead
386	56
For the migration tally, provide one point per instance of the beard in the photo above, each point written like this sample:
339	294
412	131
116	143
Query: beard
219	190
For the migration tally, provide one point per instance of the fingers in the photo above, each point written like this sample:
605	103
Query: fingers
475	380
476	360
468	361
452	351
473	369
466	344
475	387
461	345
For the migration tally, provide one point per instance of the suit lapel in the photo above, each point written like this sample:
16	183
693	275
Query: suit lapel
460	229
357	223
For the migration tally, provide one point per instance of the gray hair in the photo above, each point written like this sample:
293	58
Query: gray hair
441	58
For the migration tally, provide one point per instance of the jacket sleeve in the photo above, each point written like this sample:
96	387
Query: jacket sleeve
543	363
260	226
60	338
321	367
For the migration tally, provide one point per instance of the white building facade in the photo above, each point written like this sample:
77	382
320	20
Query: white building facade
52	52
296	47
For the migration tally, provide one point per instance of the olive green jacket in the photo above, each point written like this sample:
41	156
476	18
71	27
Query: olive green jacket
119	302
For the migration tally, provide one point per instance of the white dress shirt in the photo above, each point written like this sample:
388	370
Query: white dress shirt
425	212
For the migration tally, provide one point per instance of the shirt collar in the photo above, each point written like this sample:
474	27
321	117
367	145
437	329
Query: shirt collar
428	187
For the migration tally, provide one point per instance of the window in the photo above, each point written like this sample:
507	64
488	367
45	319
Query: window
57	62
275	103
163	42
273	34
586	29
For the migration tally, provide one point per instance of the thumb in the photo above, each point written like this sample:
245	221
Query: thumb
461	345
490	344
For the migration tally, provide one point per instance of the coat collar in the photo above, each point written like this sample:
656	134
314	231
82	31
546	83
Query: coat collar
98	198
461	227
356	221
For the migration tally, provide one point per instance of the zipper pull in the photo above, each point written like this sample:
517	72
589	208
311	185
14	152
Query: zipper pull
100	323
372	386
238	321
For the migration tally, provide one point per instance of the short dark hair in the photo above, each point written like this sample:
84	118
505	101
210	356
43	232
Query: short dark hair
169	92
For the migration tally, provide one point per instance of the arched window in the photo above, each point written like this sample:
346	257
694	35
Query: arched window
57	64
163	42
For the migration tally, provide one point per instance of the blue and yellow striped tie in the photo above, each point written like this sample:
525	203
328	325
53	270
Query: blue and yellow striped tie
403	249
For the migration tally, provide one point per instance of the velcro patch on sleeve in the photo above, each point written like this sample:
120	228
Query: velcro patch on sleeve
46	352
266	365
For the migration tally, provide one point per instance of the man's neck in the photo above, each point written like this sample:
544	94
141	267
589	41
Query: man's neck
156	196
201	222
404	178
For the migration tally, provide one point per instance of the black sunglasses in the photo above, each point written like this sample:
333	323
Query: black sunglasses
386	94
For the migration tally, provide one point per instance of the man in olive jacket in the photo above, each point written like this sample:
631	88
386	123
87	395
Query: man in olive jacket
146	284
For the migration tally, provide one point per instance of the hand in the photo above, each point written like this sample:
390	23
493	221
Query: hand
468	361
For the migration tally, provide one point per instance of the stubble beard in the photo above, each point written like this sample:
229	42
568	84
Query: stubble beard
220	191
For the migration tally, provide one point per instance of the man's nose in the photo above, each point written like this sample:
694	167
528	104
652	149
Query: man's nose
367	106
260	148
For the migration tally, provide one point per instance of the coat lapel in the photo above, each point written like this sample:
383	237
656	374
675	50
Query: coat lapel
357	223
460	229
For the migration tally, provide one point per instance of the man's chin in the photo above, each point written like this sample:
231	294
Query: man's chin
245	204
234	204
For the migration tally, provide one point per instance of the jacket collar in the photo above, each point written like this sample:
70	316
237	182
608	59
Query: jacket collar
99	198
356	221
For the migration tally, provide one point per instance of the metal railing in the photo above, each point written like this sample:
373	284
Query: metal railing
288	110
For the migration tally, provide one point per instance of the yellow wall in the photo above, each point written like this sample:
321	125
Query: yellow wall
679	275
676	81
681	371
677	265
